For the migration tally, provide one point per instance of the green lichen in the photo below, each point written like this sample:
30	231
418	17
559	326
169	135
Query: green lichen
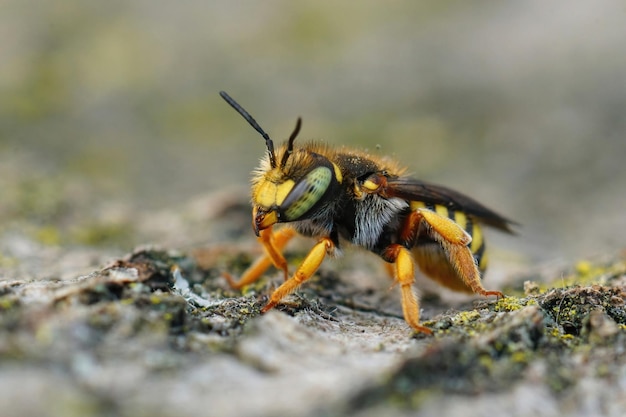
583	273
508	304
104	234
586	272
491	347
465	317
8	303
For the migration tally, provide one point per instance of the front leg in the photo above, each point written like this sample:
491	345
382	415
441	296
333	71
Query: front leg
305	271
273	244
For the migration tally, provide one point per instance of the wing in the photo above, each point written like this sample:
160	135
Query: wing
411	189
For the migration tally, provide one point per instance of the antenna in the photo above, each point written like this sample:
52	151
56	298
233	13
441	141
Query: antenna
268	142
295	132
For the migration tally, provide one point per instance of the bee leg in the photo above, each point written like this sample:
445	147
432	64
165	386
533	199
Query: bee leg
391	271
305	271
273	243
405	276
454	241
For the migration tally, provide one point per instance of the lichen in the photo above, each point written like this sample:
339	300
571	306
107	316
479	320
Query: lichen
490	348
170	303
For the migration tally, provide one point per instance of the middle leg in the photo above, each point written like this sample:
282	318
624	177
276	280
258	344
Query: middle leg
402	259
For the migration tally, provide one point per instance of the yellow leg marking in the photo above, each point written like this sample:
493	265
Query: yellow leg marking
455	241
463	261
445	227
405	276
273	243
305	271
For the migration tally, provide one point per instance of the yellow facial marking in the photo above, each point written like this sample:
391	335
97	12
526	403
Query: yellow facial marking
269	194
338	174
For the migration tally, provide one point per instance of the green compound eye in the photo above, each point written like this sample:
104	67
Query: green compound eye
306	193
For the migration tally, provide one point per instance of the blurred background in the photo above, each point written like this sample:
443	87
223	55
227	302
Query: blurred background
110	110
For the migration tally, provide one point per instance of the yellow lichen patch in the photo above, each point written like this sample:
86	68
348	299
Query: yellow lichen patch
588	272
429	323
520	356
512	304
466	317
583	273
49	235
7	262
7	303
102	234
486	361
555	332
584	267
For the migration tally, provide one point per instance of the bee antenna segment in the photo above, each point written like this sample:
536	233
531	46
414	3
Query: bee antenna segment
255	125
292	137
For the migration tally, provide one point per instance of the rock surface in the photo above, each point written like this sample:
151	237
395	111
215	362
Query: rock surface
158	332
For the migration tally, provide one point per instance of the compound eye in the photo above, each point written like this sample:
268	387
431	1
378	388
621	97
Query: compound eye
306	193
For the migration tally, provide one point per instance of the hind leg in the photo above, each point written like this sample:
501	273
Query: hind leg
457	267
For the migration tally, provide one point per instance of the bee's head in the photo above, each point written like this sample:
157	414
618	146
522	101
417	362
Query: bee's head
292	188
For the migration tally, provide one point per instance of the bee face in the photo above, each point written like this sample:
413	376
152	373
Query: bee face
292	191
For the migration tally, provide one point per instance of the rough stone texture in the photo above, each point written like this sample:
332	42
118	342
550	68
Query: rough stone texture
158	332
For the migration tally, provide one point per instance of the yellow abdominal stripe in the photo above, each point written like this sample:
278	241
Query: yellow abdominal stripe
461	219
477	238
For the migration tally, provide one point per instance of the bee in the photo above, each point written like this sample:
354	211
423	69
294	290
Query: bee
341	195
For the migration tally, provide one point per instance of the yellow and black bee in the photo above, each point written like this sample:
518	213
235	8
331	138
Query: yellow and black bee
339	195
